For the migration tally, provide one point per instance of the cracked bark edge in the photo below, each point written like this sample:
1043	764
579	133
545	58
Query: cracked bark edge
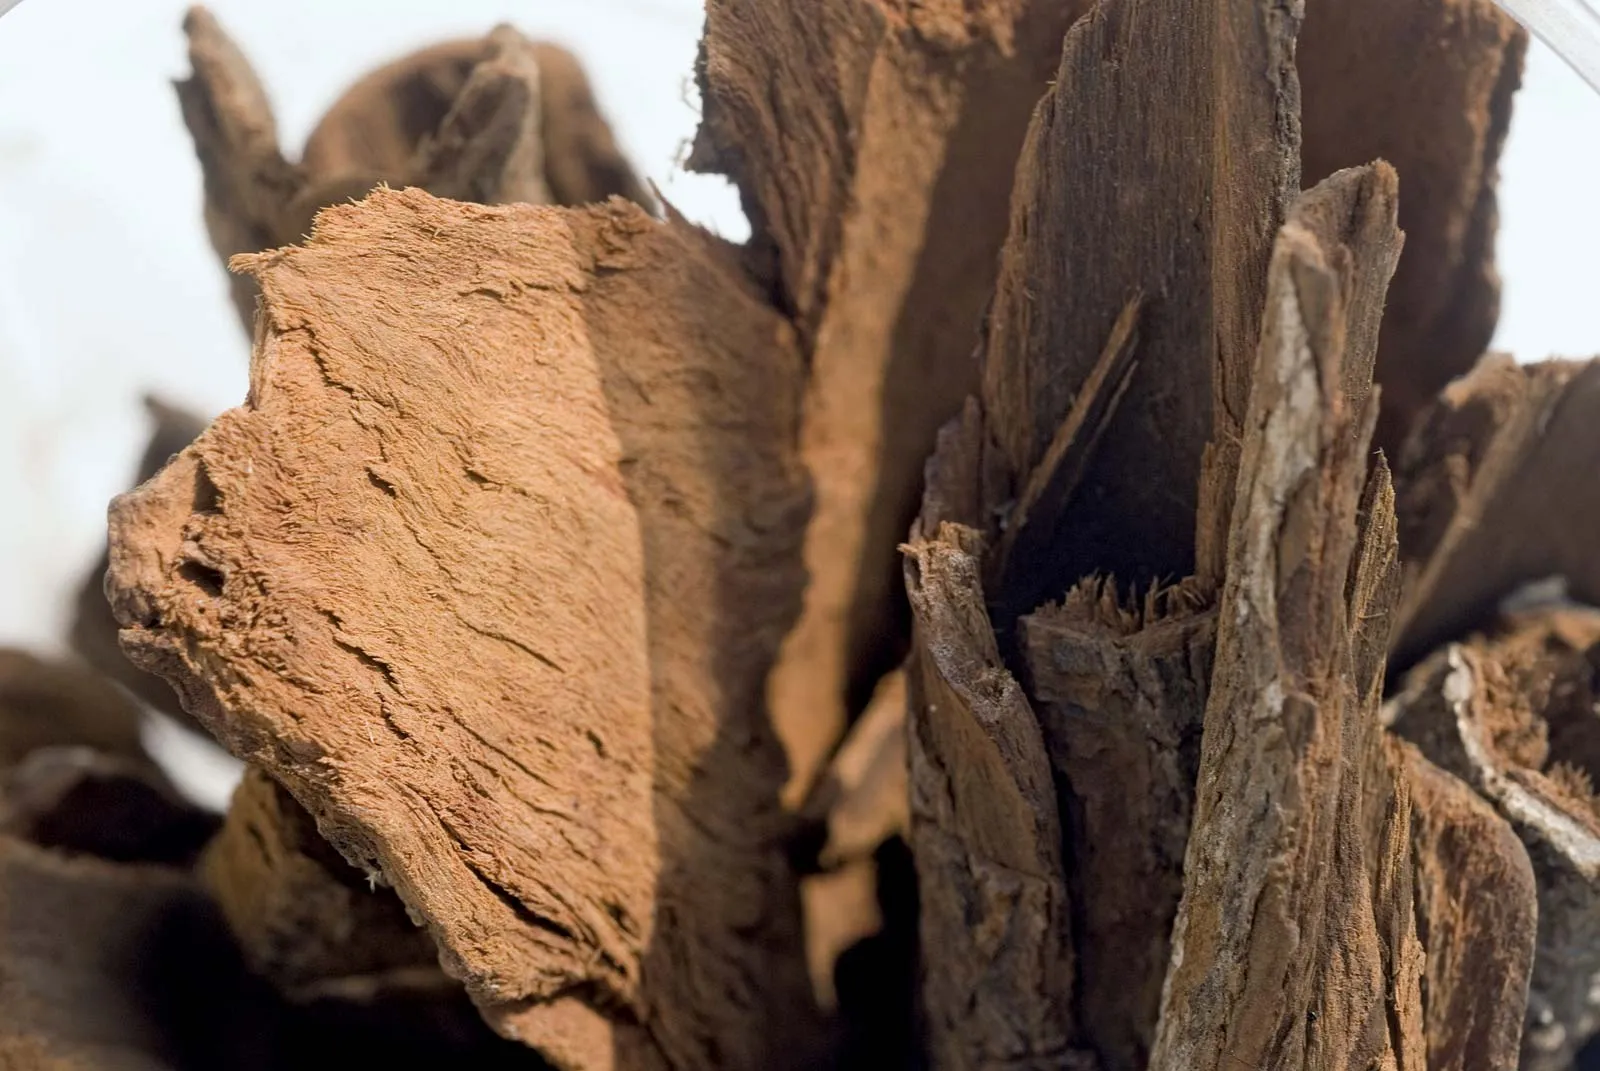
1493	713
1120	693
1295	942
872	143
1505	451
490	580
995	934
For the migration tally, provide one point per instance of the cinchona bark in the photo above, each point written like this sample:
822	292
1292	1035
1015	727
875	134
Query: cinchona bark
488	571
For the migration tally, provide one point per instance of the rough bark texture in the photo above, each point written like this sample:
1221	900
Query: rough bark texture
93	633
1477	916
489	572
496	121
305	919
996	942
1514	717
872	142
1426	85
1498	487
1179	201
1120	694
1295	944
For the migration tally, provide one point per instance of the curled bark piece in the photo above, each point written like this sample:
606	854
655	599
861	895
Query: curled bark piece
1504	451
53	704
1120	694
872	142
305	919
1477	916
1103	170
996	942
479	120
1295	942
1493	712
93	634
489	572
79	800
1428	87
119	967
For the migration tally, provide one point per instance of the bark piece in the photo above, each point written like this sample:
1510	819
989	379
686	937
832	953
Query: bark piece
1504	452
1428	87
307	920
864	796
1295	942
1168	145
872	142
1477	916
112	967
497	120
1491	712
93	634
1120	694
488	573
79	800
54	704
996	942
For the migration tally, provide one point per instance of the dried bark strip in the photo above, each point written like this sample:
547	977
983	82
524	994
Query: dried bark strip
489	572
872	141
1168	145
996	944
1295	944
1477	916
305	919
1513	716
498	120
1504	451
1120	695
1427	86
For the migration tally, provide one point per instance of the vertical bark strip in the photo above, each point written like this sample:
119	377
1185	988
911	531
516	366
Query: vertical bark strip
488	572
1295	944
1120	694
1426	85
873	143
997	950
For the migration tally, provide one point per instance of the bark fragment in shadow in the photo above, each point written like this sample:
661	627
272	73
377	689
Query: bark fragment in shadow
1426	85
489	579
873	145
1497	485
1513	715
996	942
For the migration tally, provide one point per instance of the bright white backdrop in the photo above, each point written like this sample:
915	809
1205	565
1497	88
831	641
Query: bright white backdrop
108	289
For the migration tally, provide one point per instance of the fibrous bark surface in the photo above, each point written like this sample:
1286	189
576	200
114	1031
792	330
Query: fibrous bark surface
570	780
496	121
1503	452
1513	715
872	142
1295	944
1426	85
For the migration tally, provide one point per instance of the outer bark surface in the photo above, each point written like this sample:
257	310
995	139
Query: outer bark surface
1295	945
1426	85
997	950
1513	716
1120	695
1505	453
873	142
489	572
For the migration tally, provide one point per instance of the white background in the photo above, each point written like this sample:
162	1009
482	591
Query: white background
109	290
